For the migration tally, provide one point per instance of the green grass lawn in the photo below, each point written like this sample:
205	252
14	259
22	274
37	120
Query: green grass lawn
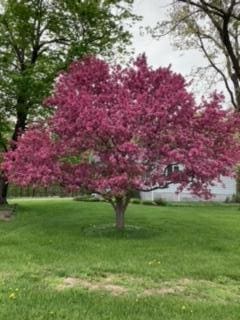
61	259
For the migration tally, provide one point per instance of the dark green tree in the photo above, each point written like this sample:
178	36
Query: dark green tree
38	38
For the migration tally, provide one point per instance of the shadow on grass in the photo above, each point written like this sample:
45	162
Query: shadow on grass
109	231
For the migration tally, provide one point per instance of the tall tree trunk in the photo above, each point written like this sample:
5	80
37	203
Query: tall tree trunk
120	221
238	184
3	190
20	124
120	207
19	128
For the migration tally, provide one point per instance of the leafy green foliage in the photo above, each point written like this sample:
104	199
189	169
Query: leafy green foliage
86	198
135	201
38	38
160	202
5	125
147	202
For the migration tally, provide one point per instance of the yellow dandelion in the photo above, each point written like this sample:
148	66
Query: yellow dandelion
12	296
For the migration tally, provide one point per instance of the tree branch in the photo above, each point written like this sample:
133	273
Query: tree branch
218	70
176	25
147	189
216	10
18	52
213	8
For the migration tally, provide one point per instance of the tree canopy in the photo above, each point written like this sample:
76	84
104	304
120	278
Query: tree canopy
116	130
38	38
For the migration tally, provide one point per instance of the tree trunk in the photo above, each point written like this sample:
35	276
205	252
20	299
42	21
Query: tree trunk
20	124
120	207
19	128
3	190
120	221
238	184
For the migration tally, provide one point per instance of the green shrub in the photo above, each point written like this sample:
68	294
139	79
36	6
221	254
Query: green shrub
136	201
135	194
235	198
148	203
81	198
160	202
227	200
86	198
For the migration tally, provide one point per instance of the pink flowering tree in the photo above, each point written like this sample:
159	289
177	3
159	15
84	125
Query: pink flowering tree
116	130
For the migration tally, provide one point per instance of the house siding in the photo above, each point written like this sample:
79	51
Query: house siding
220	191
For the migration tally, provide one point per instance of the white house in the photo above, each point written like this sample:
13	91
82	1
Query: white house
220	192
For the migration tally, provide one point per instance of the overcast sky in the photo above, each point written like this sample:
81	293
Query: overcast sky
160	52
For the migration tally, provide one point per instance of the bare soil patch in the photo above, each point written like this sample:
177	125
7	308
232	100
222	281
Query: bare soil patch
6	215
123	284
120	284
103	285
162	291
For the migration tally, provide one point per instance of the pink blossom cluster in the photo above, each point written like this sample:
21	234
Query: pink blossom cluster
115	130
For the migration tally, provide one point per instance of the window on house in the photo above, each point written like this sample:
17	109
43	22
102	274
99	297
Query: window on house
172	168
175	168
